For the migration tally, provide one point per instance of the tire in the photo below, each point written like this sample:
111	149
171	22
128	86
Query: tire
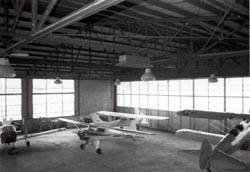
28	143
82	146
99	151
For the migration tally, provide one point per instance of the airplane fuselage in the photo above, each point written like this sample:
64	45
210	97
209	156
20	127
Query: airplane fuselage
235	138
8	134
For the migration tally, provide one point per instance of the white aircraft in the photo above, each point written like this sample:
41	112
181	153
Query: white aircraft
220	156
125	119
8	135
94	134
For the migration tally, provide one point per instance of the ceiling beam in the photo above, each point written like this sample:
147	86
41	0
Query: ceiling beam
75	16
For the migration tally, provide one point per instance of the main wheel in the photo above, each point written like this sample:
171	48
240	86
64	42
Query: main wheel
82	146
28	143
99	151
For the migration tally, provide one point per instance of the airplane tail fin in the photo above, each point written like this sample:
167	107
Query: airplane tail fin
205	154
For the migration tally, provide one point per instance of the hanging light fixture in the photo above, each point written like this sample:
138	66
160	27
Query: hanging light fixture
148	75
117	82
6	70
58	81
212	78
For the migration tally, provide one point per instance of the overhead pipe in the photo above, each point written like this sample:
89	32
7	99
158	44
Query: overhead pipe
79	14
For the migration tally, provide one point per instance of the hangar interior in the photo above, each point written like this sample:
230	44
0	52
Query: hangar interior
123	55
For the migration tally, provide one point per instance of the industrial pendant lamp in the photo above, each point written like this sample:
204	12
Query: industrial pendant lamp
58	81
117	82
212	78
148	75
6	70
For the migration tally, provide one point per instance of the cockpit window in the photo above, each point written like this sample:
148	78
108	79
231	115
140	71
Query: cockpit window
102	130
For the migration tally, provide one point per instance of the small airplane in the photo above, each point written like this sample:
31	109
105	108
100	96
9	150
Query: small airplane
125	119
8	135
220	157
94	134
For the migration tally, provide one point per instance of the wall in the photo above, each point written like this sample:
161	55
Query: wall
95	96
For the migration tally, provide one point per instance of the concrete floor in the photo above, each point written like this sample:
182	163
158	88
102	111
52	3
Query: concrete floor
60	152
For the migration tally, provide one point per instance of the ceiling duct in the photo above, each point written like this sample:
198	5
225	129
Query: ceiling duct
133	61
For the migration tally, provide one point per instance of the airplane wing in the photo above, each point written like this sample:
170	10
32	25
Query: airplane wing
132	131
212	115
74	122
40	133
130	115
199	135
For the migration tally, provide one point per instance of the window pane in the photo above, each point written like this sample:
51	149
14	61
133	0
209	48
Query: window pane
39	106
234	105
246	86
120	88
127	88
174	87
143	87
135	87
153	102
186	102
135	101
39	85
13	105
234	87
163	102
2	85
13	86
54	105
217	89
187	87
201	103
201	87
53	88
216	104
246	103
68	86
120	100
143	101
2	107
68	104
174	103
163	87
54	100
127	101
153	87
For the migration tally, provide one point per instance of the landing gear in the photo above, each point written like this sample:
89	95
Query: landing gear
82	146
28	143
99	151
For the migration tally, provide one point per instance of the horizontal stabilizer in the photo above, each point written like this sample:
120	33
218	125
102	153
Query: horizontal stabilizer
133	131
130	115
199	135
73	122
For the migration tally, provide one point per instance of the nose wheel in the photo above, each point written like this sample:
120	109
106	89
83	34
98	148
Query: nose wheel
28	143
